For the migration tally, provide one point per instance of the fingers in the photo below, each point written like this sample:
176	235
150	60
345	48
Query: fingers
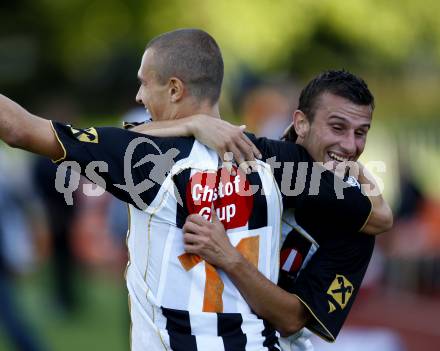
214	217
191	249
247	156
254	149
191	243
191	227
240	152
227	162
198	225
197	219
191	239
233	145
244	151
237	155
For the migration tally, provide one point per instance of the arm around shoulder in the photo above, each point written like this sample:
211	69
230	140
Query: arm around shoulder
381	216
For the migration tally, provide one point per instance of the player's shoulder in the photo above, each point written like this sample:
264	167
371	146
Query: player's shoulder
114	133
284	151
111	140
161	144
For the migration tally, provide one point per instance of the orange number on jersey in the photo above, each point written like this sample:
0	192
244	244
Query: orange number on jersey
212	298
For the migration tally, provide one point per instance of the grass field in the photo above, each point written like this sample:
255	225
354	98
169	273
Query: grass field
100	323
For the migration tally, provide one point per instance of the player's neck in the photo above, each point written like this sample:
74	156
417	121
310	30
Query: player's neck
210	110
203	108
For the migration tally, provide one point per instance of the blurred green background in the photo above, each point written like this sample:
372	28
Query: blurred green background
83	55
89	51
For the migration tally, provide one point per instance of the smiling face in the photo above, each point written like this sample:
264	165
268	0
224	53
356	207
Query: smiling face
152	93
337	132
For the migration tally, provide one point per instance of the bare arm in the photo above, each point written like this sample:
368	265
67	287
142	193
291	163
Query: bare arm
21	129
219	135
284	310
169	128
381	217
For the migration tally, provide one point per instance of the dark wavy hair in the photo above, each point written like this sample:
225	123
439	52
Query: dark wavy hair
338	82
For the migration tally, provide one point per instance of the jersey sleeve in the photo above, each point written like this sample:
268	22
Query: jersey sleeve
316	193
337	207
328	285
290	164
122	159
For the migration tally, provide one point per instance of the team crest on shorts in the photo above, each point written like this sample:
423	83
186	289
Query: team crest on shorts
88	135
339	292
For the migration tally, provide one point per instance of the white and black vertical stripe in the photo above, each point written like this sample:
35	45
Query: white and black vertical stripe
229	328
179	330
270	337
258	217
181	181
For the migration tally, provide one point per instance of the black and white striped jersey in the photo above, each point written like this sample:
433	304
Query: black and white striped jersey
178	301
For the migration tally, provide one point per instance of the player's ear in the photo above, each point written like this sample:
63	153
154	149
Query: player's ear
176	89
301	123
